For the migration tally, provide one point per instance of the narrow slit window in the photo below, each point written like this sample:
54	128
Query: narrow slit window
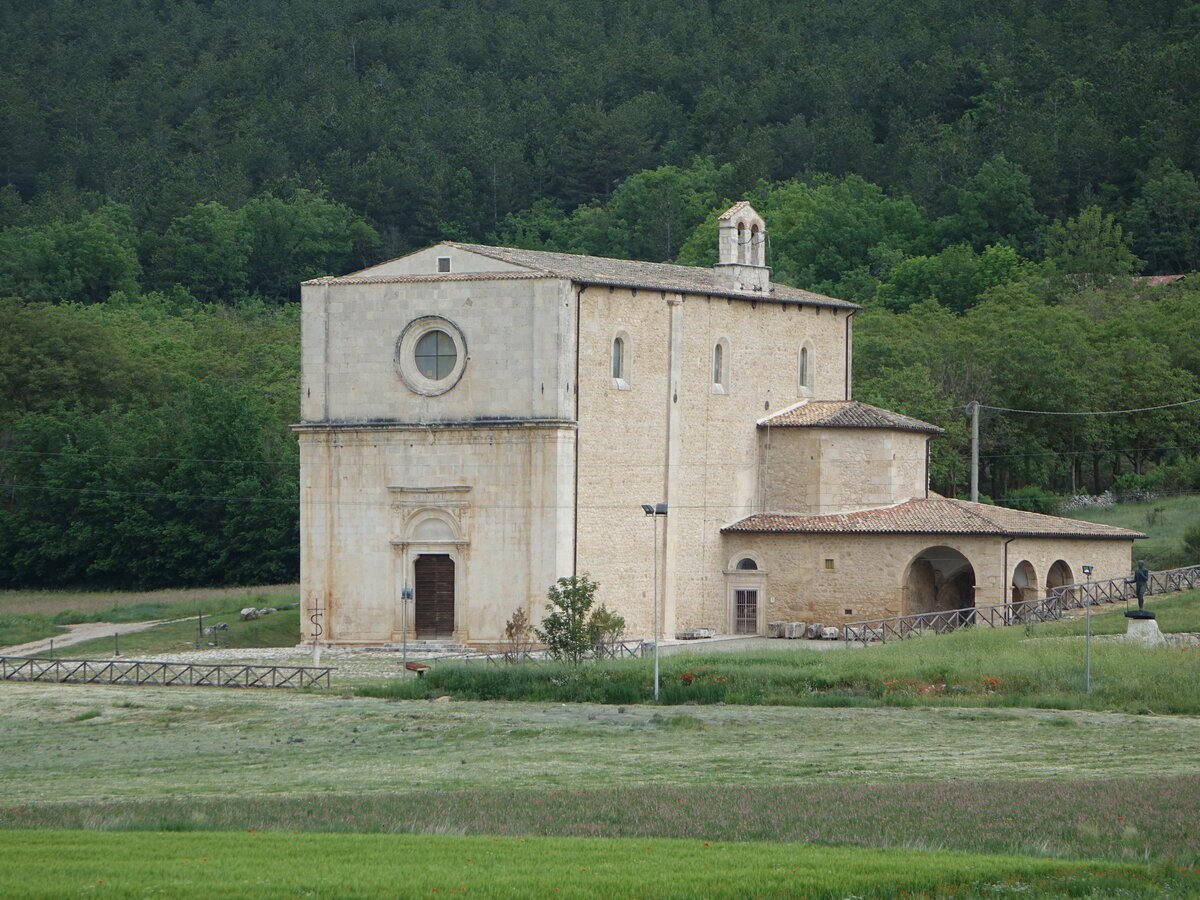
618	358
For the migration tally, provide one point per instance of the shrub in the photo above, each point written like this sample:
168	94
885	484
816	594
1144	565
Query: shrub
1033	499
518	636
567	631
1191	541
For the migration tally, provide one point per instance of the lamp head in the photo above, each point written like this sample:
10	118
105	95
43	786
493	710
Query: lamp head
648	509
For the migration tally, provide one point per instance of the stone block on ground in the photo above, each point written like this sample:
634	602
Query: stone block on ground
775	629
794	630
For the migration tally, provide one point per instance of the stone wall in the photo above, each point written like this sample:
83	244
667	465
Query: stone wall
834	579
675	436
812	471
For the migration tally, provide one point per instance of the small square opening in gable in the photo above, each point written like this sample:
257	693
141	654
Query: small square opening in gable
443	264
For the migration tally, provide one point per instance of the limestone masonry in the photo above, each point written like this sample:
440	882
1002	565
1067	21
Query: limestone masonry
478	422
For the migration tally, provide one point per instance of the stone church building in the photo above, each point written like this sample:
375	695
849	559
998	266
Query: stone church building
478	422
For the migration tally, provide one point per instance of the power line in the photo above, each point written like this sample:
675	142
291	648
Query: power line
1107	412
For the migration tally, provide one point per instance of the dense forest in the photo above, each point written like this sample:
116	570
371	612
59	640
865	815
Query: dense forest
996	185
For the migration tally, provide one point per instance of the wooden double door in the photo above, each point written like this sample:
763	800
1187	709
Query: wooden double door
434	597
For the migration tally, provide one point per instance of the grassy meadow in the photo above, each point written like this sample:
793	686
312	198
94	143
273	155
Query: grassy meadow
1163	520
261	865
27	616
967	765
1039	666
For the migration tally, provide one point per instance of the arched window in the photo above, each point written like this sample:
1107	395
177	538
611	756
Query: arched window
741	241
747	563
755	246
805	371
618	358
720	366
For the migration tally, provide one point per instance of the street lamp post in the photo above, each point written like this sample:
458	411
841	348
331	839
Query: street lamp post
658	509
1087	644
405	596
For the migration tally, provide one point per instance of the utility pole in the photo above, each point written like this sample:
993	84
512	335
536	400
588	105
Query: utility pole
973	412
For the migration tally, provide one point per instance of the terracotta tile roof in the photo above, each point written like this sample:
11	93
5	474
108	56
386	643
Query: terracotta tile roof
932	515
628	273
843	414
733	210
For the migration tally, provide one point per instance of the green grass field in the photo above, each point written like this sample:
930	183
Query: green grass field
1163	521
968	765
27	616
1040	666
254	865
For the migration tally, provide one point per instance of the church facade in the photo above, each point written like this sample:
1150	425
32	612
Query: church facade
478	422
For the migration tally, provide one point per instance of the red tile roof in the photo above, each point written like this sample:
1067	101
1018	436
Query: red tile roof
932	515
843	414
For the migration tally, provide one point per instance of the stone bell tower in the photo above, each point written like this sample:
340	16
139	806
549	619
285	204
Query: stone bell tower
741	249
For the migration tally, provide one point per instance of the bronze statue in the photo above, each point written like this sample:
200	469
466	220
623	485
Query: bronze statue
1141	577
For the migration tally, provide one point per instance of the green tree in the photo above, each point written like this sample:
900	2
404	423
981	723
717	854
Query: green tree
294	239
569	629
994	206
207	252
1165	221
85	260
1090	248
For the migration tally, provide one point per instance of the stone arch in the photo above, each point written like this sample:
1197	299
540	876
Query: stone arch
745	561
938	578
1059	575
1024	584
741	242
756	245
432	526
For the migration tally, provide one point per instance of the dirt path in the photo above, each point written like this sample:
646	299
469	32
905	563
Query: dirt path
77	634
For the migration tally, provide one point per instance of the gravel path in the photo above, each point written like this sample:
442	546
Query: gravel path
77	634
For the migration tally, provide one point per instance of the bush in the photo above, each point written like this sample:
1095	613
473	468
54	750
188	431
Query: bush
1033	499
568	631
1191	543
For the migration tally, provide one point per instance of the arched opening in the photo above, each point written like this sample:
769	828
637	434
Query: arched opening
804	369
718	365
747	564
938	579
1023	590
1059	574
741	242
756	250
618	358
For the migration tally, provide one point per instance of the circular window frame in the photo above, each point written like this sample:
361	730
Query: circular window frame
406	356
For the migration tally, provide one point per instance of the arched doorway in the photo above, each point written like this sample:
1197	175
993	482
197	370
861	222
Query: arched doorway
938	579
434	596
1024	589
1059	574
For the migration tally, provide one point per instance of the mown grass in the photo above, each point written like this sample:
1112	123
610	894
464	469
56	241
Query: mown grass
279	629
252	865
1040	666
1163	521
1118	819
27	616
